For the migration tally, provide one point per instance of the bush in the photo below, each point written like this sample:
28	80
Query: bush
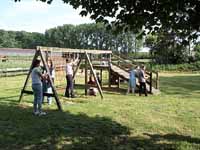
178	67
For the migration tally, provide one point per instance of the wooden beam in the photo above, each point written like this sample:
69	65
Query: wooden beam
69	50
77	67
101	76
95	77
44	94
29	73
109	71
51	82
86	75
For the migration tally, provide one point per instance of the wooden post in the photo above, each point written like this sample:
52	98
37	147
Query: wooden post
118	84
86	75
29	73
94	74
157	80
150	90
51	82
101	76
77	67
109	70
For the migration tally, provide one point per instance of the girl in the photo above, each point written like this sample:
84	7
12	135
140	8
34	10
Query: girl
37	76
52	76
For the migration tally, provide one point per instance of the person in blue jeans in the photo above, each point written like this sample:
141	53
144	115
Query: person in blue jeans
37	77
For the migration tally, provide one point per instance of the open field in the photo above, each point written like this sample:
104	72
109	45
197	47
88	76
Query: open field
167	121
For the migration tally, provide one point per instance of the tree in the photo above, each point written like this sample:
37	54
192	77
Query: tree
166	48
180	16
197	51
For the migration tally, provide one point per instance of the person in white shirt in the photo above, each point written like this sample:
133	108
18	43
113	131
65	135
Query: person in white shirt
69	92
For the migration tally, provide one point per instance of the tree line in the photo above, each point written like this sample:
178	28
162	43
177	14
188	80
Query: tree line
84	36
165	47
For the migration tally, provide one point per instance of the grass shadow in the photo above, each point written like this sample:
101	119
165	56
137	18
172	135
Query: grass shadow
64	130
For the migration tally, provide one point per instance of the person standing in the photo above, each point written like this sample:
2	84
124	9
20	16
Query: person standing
132	81
52	76
142	81
69	92
37	77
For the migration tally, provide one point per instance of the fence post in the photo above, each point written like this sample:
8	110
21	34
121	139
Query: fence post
157	81
109	70
151	82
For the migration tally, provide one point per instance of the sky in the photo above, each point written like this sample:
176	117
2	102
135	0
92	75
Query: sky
36	16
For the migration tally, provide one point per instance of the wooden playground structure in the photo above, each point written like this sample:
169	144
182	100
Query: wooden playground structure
91	60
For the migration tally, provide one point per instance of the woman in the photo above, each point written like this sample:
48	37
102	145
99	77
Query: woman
132	81
37	76
69	92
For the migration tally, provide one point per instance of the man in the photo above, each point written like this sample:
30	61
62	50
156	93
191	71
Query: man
142	81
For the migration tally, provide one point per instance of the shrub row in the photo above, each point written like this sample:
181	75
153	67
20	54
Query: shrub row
186	67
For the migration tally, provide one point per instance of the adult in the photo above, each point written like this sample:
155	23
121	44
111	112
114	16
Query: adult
132	80
142	81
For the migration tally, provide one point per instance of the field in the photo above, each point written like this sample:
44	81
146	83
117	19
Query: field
170	120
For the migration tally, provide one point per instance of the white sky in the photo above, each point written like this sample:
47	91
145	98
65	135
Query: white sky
36	16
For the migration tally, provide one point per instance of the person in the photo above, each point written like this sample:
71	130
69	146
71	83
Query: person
142	81
37	77
92	90
91	81
132	80
48	84
69	92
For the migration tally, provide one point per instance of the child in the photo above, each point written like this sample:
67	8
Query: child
132	81
52	76
37	76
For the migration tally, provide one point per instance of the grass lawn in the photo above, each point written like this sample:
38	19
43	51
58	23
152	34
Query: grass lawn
170	120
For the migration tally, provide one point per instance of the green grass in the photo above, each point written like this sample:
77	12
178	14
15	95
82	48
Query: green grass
170	120
16	62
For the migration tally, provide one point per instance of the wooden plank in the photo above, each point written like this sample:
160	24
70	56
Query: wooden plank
44	94
27	78
150	90
76	70
95	77
51	82
86	75
109	71
69	50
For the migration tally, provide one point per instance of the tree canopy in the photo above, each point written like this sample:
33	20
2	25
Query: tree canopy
180	16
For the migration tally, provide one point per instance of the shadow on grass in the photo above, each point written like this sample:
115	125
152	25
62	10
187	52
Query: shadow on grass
108	90
64	130
181	85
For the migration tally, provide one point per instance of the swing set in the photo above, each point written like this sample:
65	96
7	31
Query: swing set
58	56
